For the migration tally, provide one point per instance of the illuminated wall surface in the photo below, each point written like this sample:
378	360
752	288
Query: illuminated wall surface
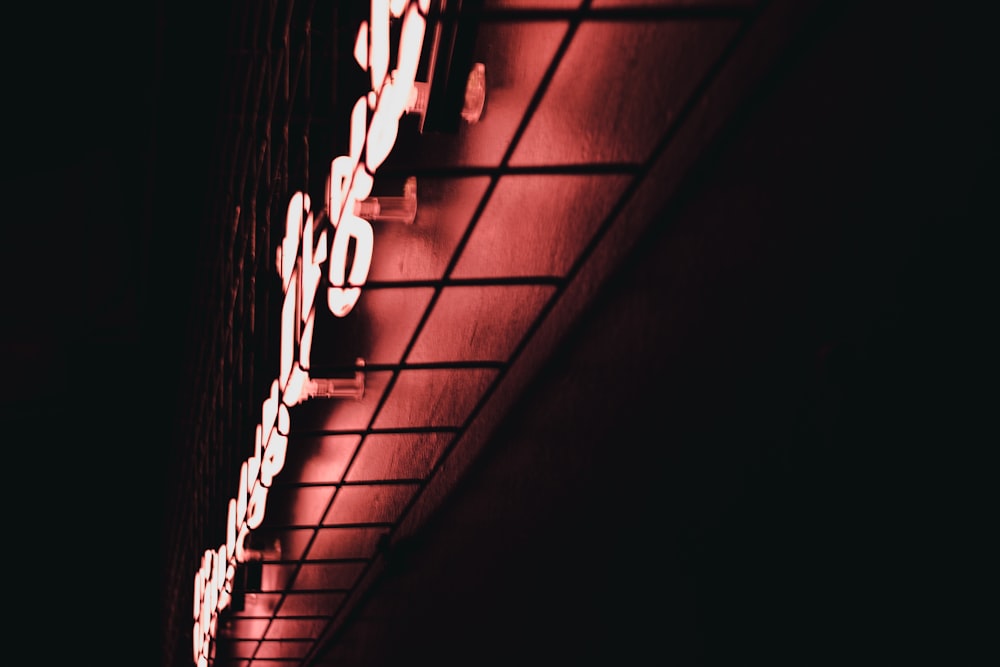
400	335
398	265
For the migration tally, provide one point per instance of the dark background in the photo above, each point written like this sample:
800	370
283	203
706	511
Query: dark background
111	115
109	123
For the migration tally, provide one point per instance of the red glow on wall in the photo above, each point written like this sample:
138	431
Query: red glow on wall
346	247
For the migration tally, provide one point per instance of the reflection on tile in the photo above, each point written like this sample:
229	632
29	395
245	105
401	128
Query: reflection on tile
243	628
232	662
423	250
242	649
345	543
310	604
295	628
292	541
397	456
336	576
369	503
297	506
544	238
392	316
589	113
288	648
275	576
479	323
338	342
317	459
260	604
434	398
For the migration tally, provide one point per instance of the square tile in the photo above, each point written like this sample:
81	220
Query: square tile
391	317
297	505
241	649
276	576
310	604
285	648
593	113
434	398
369	503
338	342
243	628
260	604
397	456
317	459
345	543
479	323
291	541
538	225
295	628
336	576
424	249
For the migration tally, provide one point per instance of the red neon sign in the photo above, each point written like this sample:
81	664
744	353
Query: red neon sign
374	125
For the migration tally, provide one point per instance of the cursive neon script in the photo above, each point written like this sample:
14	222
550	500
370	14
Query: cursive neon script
374	125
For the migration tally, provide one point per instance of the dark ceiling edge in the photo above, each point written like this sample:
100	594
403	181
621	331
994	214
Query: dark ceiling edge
766	41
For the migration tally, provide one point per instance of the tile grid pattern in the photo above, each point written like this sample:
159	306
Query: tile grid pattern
355	469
